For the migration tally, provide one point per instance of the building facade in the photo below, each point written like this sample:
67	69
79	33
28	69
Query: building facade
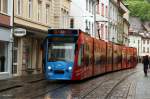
33	18
139	37
116	21
126	25
145	44
135	40
6	13
61	14
102	17
82	15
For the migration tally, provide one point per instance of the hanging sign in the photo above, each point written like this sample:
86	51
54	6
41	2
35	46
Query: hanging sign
20	32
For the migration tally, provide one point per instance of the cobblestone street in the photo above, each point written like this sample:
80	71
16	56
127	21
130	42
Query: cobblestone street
126	84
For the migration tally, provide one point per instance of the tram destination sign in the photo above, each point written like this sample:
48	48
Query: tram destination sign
66	32
19	32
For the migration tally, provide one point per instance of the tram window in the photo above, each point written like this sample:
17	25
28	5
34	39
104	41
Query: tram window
80	56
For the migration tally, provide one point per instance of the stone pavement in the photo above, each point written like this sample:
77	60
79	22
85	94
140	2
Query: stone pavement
142	87
137	86
19	81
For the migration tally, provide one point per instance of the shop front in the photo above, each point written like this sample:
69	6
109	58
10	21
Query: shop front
27	54
5	53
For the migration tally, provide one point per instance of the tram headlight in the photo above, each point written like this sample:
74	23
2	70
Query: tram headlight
70	68
49	67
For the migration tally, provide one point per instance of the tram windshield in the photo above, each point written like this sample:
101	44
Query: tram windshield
61	52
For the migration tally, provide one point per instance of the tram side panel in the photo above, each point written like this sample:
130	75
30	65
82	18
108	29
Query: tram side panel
97	57
124	57
103	56
79	58
109	56
88	57
135	56
84	61
115	57
119	57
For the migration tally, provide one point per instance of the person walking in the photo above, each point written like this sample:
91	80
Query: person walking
145	64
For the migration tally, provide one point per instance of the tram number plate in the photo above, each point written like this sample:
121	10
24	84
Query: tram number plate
59	71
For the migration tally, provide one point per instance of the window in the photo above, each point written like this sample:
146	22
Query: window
71	23
47	13
39	10
87	1
106	11
80	56
147	41
143	49
92	28
4	6
98	8
30	8
102	10
106	31
86	28
143	41
3	56
89	27
0	5
147	50
90	5
93	7
19	5
102	30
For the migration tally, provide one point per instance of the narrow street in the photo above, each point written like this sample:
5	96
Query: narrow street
126	84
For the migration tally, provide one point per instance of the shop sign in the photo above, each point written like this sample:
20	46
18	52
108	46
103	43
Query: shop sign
19	32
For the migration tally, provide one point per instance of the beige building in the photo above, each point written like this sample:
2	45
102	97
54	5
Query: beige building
35	17
61	14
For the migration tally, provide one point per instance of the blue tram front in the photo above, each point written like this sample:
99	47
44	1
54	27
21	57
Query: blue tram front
59	58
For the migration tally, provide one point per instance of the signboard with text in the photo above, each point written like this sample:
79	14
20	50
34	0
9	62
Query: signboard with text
19	32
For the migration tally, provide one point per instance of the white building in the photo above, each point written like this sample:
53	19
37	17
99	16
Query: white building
126	25
82	15
6	22
102	17
139	37
135	40
116	27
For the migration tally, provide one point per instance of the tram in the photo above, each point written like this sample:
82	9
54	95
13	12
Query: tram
70	54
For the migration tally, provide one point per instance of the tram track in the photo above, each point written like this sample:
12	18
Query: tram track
107	92
117	84
48	91
86	87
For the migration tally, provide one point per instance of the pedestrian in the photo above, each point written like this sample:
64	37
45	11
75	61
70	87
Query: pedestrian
145	64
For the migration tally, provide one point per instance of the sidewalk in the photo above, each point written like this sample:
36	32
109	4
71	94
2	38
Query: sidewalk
19	81
142	88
